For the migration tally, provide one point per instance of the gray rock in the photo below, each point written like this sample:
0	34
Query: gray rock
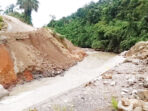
3	92
125	90
131	81
145	84
113	83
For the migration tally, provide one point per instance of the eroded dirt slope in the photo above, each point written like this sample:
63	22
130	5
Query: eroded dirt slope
34	53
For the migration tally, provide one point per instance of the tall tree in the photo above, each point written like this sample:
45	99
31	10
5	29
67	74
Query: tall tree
28	6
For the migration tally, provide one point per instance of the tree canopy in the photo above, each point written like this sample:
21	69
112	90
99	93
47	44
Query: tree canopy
108	25
28	6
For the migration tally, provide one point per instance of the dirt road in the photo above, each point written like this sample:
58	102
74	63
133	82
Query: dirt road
15	25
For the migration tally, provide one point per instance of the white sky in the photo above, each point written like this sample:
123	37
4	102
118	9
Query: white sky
58	8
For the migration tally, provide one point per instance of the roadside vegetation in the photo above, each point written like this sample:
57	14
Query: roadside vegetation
27	6
108	25
1	23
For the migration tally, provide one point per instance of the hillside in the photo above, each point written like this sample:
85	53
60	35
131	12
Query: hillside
108	25
27	53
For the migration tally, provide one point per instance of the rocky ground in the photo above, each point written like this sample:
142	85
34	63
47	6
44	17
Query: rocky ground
127	83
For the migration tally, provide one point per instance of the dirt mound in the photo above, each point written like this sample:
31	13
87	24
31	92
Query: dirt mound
139	51
40	53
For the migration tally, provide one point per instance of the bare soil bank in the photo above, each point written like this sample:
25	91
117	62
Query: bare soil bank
29	54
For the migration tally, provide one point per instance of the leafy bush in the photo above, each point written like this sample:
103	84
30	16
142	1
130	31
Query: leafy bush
1	22
114	103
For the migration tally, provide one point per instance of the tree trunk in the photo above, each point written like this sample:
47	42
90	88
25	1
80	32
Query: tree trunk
28	16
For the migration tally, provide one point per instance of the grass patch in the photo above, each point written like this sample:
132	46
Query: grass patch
114	104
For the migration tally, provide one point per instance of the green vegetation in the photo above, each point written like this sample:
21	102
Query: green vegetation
33	110
27	5
114	103
108	25
1	22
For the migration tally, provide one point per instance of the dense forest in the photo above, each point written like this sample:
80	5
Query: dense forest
108	25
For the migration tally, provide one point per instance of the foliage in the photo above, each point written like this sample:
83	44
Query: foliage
9	9
114	103
108	25
18	15
1	22
32	109
28	6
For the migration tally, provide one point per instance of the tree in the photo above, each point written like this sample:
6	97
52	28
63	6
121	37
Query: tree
1	10
10	9
28	6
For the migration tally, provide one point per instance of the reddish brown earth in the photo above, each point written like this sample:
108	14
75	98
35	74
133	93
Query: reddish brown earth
7	74
33	54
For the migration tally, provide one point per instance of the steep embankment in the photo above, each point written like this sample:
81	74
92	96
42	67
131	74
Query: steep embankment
29	53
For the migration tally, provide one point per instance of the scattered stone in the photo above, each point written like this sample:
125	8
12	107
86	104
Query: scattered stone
89	84
145	84
3	92
141	84
113	83
131	81
107	76
123	93
141	79
98	78
125	90
122	105
28	76
129	104
134	92
105	82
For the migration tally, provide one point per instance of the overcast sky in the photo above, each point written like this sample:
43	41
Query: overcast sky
58	8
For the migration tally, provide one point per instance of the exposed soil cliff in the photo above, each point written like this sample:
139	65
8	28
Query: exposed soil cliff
32	54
